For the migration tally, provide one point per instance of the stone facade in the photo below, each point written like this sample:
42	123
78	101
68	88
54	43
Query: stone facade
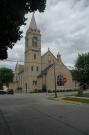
40	70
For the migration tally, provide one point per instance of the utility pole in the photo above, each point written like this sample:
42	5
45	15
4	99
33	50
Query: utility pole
26	87
55	82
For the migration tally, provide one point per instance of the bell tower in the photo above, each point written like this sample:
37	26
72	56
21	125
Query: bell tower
32	55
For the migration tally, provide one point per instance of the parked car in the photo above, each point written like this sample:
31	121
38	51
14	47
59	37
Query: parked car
3	92
10	91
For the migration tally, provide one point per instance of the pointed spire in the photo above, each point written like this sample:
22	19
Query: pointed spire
33	23
59	57
16	64
58	54
48	49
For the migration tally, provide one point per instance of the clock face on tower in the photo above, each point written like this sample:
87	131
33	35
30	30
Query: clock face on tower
34	41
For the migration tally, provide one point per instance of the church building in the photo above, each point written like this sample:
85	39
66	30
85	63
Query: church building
39	71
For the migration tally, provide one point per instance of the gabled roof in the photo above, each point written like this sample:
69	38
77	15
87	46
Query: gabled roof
45	70
47	53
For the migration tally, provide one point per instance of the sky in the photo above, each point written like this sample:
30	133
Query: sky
64	27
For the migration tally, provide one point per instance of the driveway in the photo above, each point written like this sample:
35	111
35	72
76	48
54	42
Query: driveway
35	114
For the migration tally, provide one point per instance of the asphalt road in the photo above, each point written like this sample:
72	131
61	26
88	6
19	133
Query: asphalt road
37	115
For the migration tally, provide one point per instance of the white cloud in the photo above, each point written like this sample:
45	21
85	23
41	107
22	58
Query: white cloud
65	28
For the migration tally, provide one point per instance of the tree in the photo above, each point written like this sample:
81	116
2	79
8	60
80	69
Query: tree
12	16
81	71
6	76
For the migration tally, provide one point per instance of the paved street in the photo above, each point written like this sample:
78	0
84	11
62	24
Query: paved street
35	114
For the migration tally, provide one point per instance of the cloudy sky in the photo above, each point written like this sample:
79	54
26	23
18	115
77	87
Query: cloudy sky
65	29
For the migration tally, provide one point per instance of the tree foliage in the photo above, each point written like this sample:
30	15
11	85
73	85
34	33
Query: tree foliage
6	76
12	16
81	72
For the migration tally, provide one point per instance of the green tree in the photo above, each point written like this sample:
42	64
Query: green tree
12	16
6	76
81	72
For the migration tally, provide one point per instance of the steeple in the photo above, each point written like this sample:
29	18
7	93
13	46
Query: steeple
33	23
59	57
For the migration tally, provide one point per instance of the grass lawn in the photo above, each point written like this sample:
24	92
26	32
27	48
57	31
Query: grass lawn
82	100
81	95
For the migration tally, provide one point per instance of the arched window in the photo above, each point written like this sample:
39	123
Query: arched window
31	68
34	82
37	68
34	56
34	41
60	80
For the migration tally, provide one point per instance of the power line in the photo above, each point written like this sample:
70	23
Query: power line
22	61
11	60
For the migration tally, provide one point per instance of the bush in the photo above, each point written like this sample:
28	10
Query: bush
44	89
50	91
37	91
80	92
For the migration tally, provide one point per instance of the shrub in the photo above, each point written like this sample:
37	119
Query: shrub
50	91
80	92
44	89
39	90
